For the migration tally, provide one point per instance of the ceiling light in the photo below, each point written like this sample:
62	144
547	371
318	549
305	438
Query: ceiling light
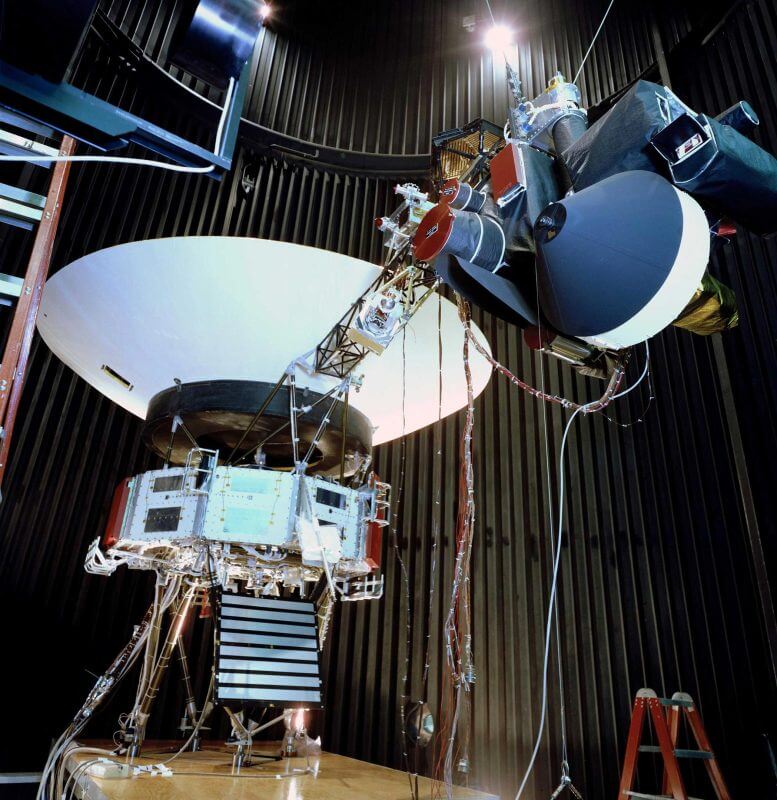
499	38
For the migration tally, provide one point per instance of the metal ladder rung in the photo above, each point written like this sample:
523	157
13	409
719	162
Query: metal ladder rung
22	196
669	701
704	755
654	796
10	289
13	144
679	752
20	207
12	212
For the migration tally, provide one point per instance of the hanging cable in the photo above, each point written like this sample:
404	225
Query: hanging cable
593	41
404	573
587	408
551	528
641	377
651	395
566	782
554	584
140	162
457	626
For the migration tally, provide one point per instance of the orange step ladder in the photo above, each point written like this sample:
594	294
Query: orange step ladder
667	728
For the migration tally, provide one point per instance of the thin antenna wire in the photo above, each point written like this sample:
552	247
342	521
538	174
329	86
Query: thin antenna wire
404	576
488	6
593	41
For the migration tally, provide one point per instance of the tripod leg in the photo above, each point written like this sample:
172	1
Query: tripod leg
190	705
242	739
160	669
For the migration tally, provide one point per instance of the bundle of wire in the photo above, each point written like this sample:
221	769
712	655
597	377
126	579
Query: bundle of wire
455	701
616	378
142	643
456	696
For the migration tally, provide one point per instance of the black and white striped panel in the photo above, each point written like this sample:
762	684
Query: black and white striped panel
268	652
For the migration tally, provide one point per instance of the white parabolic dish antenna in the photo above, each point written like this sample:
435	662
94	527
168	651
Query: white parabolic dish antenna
152	314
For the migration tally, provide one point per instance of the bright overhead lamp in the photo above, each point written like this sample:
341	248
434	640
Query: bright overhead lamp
499	38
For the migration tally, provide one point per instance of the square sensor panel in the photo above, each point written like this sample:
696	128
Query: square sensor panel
267	652
463	152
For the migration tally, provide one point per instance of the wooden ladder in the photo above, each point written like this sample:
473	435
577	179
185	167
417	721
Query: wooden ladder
33	212
667	728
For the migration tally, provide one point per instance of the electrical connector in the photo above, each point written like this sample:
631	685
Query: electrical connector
109	770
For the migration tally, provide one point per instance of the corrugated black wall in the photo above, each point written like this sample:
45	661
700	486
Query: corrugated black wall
661	583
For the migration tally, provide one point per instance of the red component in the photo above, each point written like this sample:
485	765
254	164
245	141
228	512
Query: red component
667	727
506	171
536	339
433	232
727	228
205	608
450	190
374	544
379	222
116	515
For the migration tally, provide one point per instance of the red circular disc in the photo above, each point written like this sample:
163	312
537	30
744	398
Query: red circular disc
450	190
433	232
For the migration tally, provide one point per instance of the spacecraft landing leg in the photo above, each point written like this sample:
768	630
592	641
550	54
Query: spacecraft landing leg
158	673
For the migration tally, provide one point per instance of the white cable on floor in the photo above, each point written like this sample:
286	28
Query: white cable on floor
140	162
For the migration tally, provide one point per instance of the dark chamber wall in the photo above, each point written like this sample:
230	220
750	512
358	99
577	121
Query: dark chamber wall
659	578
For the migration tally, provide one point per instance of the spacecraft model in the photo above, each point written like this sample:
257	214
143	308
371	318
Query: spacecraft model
265	373
594	239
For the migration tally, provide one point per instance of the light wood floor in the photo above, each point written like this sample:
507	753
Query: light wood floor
206	775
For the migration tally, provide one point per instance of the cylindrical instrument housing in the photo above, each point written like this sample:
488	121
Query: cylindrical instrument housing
476	238
567	130
546	339
619	261
462	196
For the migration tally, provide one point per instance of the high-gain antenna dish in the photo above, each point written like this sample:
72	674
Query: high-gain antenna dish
203	328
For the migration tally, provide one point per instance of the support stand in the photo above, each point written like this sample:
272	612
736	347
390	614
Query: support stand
152	690
242	739
191	720
667	728
566	784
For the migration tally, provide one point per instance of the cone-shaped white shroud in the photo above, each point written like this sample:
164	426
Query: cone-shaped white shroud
210	308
